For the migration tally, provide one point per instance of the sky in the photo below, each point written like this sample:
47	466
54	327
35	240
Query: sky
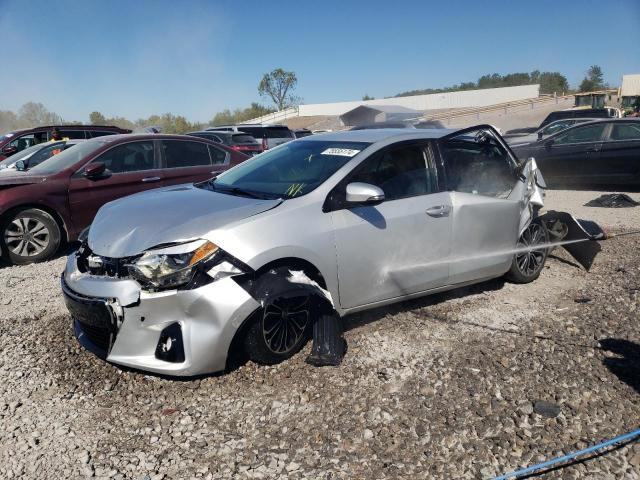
195	58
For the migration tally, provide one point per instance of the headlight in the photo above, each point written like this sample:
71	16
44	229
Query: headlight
172	266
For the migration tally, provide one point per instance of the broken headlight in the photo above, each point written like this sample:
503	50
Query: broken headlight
172	266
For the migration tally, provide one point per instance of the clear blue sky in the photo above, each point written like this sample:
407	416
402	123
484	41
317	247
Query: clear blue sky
194	58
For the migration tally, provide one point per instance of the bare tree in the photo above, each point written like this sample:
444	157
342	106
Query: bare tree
278	85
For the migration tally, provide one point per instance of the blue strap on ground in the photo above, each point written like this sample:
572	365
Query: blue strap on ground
571	456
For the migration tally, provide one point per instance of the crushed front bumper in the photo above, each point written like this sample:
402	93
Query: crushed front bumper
125	325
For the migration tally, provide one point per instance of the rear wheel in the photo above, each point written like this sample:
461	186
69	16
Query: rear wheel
29	236
529	261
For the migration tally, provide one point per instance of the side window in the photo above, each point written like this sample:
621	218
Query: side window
588	133
557	127
400	172
72	134
44	154
181	153
25	141
217	155
477	163
625	131
130	157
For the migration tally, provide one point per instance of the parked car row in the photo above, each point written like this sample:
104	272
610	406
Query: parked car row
168	280
18	140
51	202
594	153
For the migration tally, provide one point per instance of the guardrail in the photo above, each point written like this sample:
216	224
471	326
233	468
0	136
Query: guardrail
543	99
275	116
465	112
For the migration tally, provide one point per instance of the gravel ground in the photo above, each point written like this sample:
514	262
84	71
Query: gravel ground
467	384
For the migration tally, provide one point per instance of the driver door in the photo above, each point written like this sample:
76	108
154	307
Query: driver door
400	246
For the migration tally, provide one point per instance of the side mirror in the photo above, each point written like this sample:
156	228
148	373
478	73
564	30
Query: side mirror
95	171
9	150
540	135
21	166
364	193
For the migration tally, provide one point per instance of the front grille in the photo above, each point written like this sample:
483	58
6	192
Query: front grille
101	266
94	319
100	337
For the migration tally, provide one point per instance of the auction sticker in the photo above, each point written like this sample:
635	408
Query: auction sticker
341	152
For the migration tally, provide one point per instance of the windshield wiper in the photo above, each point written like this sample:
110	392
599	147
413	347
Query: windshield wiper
239	191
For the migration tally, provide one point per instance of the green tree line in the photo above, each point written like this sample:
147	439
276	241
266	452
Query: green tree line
550	82
33	114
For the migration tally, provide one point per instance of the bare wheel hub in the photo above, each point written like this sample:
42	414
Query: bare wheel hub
532	259
284	322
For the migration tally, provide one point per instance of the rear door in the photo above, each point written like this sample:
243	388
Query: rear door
132	167
481	175
620	156
188	161
400	246
572	156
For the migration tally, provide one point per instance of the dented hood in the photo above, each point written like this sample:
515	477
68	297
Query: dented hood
10	177
131	225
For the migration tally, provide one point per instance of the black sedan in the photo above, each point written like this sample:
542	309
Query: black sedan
602	152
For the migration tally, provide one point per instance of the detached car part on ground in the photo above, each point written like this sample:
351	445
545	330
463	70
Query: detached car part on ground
171	281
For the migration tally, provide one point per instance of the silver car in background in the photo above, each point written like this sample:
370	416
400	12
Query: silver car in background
172	280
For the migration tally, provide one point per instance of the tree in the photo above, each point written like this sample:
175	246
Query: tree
278	85
96	118
593	81
551	82
33	114
367	97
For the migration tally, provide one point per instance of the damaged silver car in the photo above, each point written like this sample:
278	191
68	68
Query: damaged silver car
171	280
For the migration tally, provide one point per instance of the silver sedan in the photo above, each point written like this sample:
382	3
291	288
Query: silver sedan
172	280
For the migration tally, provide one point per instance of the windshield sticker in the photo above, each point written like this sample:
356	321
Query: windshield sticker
294	189
341	152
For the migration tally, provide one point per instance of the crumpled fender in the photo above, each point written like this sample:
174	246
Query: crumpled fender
578	237
533	198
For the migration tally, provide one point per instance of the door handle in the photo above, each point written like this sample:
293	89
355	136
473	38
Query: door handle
151	179
593	149
439	211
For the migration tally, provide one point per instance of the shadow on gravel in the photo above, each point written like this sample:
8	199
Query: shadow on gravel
360	319
63	251
626	365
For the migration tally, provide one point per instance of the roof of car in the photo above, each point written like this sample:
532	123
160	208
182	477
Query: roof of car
51	127
142	136
217	132
377	135
240	125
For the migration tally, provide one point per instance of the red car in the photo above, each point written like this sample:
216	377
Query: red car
54	201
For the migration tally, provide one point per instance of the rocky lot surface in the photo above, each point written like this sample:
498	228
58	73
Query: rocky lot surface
468	384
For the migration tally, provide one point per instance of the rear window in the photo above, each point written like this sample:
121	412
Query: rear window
243	138
269	132
72	134
100	133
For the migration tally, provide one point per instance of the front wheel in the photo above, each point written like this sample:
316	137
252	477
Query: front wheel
29	236
529	261
282	326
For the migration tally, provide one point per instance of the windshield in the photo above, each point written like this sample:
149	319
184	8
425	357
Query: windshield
24	154
291	170
68	158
